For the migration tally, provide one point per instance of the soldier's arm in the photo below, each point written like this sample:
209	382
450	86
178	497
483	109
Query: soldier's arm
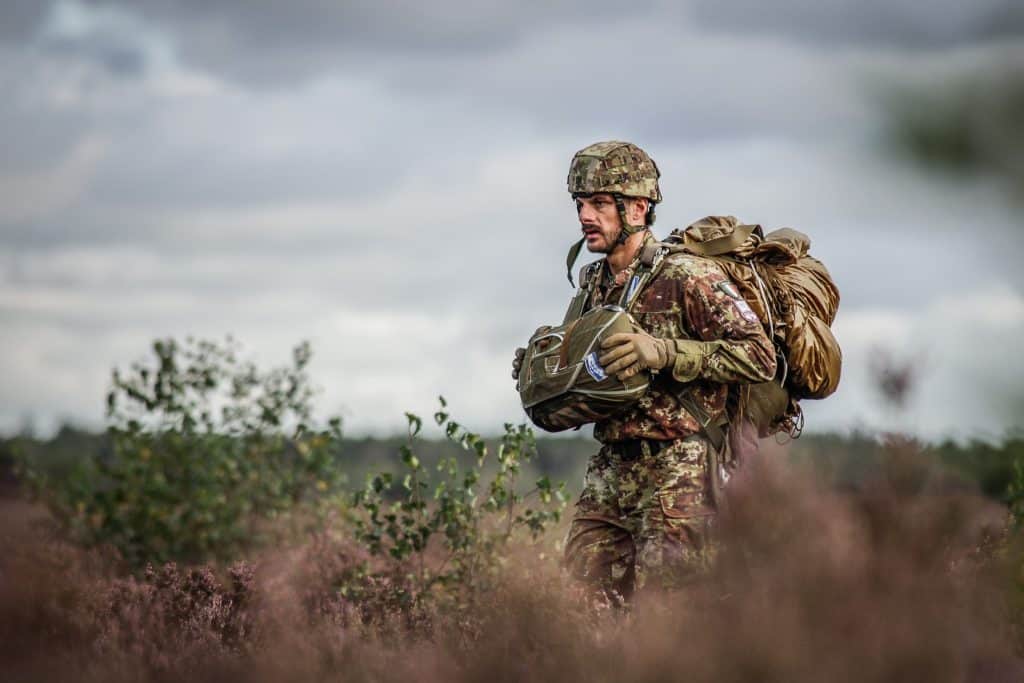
730	345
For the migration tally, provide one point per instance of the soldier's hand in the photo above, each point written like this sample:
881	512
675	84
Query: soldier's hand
629	353
517	362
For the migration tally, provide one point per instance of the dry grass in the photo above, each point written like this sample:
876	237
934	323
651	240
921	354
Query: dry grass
814	585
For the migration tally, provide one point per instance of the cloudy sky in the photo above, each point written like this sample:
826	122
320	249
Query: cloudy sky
386	179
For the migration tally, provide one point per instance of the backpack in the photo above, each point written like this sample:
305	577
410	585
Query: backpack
794	297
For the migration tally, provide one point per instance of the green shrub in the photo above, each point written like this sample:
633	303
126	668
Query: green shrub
205	449
453	526
206	452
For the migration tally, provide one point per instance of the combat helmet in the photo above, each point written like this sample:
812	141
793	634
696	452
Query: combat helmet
619	168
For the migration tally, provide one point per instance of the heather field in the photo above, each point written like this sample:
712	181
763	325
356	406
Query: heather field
217	530
910	573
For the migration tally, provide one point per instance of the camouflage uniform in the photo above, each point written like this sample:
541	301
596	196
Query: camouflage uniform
647	505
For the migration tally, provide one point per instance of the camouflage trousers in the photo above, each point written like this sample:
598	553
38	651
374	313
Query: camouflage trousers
643	520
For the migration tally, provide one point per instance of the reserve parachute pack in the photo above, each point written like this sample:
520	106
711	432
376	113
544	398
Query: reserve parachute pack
562	385
792	294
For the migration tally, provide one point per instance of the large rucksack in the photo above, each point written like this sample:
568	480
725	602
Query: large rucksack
795	299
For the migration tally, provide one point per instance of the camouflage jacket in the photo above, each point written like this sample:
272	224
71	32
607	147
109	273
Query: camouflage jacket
720	341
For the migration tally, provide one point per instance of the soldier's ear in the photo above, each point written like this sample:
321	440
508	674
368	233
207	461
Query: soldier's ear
636	210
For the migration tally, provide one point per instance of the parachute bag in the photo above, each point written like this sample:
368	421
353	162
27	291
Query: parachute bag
562	385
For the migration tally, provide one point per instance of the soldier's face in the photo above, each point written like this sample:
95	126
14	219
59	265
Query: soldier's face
599	221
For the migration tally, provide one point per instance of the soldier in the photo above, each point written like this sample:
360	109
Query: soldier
645	514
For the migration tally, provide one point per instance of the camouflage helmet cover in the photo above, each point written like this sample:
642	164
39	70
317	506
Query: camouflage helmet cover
614	167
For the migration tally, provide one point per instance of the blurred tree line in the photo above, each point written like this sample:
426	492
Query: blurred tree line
847	461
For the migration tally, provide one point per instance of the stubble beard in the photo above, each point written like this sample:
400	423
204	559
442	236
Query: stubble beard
610	244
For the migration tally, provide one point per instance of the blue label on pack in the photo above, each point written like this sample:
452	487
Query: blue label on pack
593	367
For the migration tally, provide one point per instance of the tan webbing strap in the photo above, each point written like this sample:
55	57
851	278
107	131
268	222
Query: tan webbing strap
715	477
719	245
631	292
578	304
714	432
649	252
650	259
716	436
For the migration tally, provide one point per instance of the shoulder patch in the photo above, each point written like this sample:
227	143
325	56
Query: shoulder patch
729	289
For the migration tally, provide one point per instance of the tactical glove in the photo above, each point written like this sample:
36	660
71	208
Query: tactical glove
632	352
517	361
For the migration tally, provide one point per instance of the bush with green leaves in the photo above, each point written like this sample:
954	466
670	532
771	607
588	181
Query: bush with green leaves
207	449
451	526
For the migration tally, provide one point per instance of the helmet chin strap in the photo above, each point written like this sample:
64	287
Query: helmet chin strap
627	229
624	234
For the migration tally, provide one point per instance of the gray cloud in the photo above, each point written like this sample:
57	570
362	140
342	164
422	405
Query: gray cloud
34	133
677	84
401	202
19	19
269	43
559	64
895	23
108	49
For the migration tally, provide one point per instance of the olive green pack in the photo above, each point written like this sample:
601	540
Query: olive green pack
561	383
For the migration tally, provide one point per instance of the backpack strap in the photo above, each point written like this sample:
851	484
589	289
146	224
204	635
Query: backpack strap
713	430
578	304
651	256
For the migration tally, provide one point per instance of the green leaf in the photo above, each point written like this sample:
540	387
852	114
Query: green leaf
415	423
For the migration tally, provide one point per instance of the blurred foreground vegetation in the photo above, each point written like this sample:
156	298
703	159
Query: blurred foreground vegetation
217	530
